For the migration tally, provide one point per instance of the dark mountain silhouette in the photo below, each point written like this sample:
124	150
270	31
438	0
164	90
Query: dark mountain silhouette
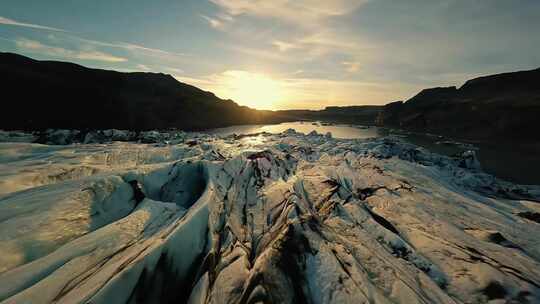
498	106
50	94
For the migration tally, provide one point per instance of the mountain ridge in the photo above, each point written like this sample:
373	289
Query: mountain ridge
504	106
51	94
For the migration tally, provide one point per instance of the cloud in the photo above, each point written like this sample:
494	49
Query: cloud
130	47
136	47
262	53
7	21
143	67
284	46
351	66
163	69
174	70
305	28
225	17
122	45
34	46
214	22
220	21
302	12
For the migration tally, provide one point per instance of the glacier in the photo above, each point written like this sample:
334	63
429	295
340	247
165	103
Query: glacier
160	217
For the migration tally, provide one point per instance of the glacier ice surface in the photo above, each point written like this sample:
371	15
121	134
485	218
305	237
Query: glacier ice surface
154	217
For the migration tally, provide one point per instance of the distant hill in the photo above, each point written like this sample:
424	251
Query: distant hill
364	115
497	106
50	94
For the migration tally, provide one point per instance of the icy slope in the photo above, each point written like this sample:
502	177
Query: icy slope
286	218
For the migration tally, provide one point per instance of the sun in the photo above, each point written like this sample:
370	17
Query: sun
254	90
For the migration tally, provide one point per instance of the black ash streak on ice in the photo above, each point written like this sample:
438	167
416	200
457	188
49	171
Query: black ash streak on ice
286	218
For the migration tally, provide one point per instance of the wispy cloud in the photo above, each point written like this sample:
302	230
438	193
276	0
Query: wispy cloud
351	66
34	46
143	67
219	21
214	22
7	21
303	29
284	46
303	12
131	47
122	45
174	70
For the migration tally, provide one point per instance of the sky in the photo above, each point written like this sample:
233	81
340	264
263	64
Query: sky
285	54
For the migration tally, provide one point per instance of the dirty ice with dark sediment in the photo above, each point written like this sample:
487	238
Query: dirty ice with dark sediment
262	218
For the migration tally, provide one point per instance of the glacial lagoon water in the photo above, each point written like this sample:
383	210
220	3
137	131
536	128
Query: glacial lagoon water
338	131
515	162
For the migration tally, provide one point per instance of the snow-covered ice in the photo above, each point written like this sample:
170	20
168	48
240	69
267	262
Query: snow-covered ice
123	217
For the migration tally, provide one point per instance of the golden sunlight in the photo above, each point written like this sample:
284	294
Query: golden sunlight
252	89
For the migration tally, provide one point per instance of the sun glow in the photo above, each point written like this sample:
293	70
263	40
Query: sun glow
253	89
